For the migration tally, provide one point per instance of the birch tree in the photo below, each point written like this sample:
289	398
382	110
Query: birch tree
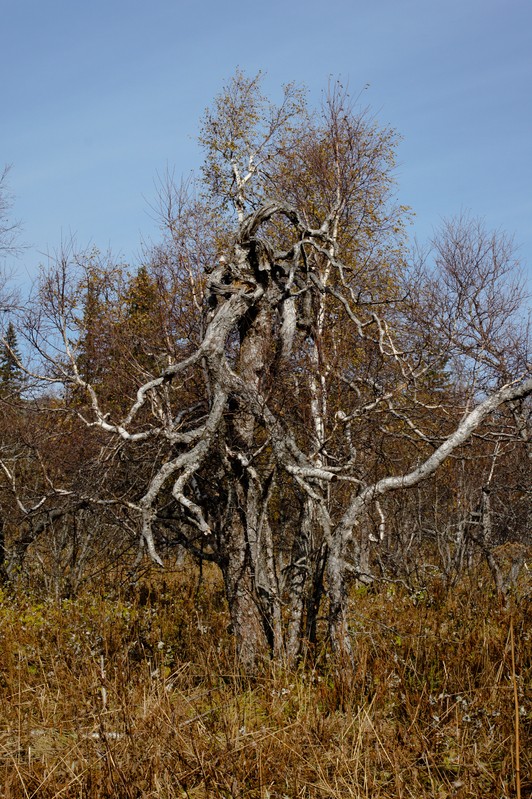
306	389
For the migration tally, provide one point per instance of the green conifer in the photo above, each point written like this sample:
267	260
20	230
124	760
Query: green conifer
11	375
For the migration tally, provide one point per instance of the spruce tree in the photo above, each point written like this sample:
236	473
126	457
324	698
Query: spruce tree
11	377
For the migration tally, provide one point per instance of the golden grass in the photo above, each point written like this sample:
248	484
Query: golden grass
139	695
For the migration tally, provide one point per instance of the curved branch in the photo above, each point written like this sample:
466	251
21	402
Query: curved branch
469	423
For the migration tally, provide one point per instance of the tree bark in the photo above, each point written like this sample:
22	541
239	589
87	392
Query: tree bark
241	591
244	555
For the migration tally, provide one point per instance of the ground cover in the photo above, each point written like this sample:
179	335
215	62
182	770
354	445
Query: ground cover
136	692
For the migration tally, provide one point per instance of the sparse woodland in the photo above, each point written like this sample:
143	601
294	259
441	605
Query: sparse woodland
265	496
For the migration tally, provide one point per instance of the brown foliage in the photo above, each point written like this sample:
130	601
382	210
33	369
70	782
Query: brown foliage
136	693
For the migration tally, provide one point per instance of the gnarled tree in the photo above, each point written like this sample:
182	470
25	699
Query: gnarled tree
304	383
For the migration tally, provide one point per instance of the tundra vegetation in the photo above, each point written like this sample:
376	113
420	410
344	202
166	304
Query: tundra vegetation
266	495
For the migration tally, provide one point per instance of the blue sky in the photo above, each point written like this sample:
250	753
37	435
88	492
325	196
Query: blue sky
98	98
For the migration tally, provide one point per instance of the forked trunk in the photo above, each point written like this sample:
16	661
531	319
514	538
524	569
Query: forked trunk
245	554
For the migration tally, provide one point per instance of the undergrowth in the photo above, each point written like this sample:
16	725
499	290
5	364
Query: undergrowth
137	693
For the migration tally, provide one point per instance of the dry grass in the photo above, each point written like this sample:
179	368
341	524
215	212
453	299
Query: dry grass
117	696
